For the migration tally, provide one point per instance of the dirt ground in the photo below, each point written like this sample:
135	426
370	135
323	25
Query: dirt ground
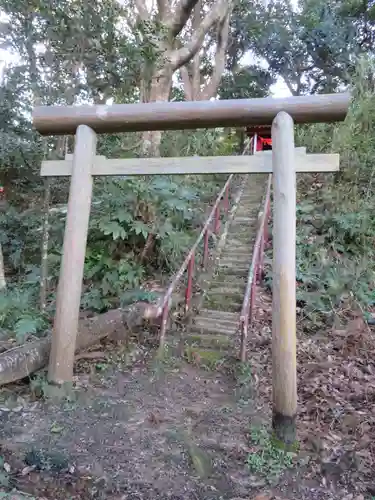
135	428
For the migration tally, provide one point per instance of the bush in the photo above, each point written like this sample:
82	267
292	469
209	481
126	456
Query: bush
336	213
139	227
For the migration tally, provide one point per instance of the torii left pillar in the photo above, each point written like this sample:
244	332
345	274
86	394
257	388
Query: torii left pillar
72	264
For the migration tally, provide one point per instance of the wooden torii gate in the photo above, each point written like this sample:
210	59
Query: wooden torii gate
88	121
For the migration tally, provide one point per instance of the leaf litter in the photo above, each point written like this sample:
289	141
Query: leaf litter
336	402
178	433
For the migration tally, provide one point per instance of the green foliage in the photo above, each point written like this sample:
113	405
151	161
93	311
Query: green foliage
45	460
335	215
245	83
315	48
72	52
132	296
137	223
19	317
267	459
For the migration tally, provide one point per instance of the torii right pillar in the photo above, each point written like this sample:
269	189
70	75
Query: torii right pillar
284	372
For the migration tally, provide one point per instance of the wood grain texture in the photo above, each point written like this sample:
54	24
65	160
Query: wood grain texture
256	164
74	250
284	276
49	120
300	150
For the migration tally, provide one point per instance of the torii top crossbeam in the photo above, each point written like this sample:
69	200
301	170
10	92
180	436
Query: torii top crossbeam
61	120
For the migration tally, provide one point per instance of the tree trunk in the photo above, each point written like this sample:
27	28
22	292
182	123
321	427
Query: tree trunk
191	73
22	361
159	91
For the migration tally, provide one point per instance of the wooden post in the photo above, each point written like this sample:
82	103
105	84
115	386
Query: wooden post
284	280
44	249
2	270
71	271
255	139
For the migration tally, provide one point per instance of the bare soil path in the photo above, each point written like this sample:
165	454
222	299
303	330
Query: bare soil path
142	429
157	430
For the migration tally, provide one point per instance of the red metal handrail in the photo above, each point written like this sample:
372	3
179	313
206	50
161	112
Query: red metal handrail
255	270
189	261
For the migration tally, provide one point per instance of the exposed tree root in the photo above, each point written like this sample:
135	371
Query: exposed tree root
21	361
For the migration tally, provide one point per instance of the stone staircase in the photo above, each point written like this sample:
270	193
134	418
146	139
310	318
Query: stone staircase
214	330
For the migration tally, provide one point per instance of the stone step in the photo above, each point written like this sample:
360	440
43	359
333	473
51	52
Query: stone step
235	262
217	323
240	232
241	229
250	196
223	315
236	243
214	328
226	291
230	304
236	257
244	219
209	340
231	275
249	202
228	266
242	251
248	226
242	238
225	321
251	221
248	209
240	256
237	282
235	268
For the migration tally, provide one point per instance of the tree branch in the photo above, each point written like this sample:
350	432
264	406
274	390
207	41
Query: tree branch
188	88
142	10
289	85
181	16
222	43
196	71
131	22
162	8
181	56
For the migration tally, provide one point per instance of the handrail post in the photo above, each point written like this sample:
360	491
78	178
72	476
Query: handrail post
244	334
284	280
163	327
226	199
266	224
189	287
261	256
205	250
217	219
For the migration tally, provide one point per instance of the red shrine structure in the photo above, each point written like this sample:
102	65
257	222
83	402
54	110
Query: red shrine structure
260	137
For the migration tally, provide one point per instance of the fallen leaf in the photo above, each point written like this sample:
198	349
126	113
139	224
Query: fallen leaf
27	469
56	428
